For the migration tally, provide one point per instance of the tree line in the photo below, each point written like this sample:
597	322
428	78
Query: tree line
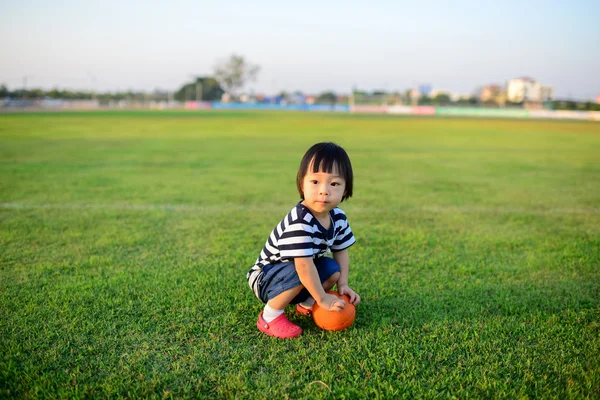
209	89
231	74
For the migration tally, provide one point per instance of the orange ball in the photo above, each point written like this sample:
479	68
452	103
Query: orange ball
334	320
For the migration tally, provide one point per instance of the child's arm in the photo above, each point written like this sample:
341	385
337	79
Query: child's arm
343	260
309	277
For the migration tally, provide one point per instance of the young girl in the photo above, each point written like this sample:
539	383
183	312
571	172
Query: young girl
292	267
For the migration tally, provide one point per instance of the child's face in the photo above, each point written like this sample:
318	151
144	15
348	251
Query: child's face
323	191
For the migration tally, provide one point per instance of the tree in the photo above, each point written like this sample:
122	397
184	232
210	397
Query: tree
283	96
327	98
234	72
36	93
210	90
425	100
407	97
442	99
4	92
54	93
592	106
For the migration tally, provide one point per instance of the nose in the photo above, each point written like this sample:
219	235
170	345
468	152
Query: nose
323	189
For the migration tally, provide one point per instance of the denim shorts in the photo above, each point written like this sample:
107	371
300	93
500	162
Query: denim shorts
275	279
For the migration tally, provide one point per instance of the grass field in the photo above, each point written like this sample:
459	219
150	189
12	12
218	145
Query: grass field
125	239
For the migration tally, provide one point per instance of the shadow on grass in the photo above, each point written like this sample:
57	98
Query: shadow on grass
500	301
412	309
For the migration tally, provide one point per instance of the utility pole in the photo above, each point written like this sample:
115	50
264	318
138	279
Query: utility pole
24	86
93	79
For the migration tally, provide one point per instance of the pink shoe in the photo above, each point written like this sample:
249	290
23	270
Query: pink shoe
303	310
280	327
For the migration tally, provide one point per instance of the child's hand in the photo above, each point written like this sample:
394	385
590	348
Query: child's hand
354	297
332	303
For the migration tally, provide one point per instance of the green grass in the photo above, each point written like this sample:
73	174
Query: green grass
125	239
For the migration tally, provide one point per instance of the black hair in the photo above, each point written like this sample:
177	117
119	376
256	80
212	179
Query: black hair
323	157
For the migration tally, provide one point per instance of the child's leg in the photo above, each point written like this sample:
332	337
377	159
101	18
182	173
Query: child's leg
273	321
277	286
277	304
327	285
329	272
330	283
280	286
280	301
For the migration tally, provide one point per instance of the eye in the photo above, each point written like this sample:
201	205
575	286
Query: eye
335	184
314	182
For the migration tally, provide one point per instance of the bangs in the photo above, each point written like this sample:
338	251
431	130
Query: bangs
323	162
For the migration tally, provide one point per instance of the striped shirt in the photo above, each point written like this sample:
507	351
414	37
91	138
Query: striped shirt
300	234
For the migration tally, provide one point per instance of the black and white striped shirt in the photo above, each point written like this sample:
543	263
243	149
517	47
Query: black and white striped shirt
300	234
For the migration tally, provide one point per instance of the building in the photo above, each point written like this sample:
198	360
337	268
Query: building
527	90
493	94
458	97
437	92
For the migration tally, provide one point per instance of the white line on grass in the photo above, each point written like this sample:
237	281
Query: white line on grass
435	209
118	207
507	210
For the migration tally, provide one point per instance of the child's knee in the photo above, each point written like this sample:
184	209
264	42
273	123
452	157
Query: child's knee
334	278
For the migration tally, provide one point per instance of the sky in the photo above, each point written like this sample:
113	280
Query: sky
311	46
